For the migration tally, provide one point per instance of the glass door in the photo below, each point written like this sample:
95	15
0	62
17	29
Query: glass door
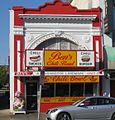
31	96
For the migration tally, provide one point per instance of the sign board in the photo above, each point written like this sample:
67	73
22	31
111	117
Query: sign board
27	73
60	58
71	79
80	73
85	59
34	58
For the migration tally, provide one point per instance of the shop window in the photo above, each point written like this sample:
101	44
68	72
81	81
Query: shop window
47	90
89	89
77	89
62	89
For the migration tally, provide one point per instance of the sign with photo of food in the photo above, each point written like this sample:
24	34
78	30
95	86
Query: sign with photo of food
85	59
34	58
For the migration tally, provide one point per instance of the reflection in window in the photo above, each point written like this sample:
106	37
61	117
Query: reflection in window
68	90
62	89
48	90
60	44
77	89
64	44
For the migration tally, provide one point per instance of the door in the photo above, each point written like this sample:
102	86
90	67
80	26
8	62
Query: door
31	96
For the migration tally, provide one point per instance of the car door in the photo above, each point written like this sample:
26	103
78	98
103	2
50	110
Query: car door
105	108
88	110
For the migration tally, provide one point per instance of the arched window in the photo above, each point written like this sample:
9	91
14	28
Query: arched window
60	44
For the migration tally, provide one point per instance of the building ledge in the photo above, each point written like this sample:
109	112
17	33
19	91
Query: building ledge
57	17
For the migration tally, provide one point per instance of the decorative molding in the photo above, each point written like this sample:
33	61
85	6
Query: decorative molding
49	18
39	39
18	30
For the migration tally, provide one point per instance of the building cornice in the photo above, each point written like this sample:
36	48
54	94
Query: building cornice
57	17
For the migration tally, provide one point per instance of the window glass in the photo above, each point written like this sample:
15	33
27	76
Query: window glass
64	44
77	89
47	90
89	89
62	89
103	101
90	102
112	101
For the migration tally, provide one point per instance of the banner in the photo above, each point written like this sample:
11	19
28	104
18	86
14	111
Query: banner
71	79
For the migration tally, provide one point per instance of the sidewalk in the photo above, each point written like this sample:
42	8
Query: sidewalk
6	115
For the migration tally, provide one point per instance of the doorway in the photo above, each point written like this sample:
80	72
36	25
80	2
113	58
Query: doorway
31	96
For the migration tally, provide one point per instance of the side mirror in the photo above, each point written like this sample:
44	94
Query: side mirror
82	105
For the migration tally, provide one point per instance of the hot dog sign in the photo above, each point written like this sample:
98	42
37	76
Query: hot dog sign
34	58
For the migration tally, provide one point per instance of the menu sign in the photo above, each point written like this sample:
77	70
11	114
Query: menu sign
85	59
59	58
34	58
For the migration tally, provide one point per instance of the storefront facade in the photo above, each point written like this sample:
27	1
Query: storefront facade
56	46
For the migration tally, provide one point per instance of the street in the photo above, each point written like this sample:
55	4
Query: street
6	115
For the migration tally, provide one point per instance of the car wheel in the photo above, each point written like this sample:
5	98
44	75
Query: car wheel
63	116
113	117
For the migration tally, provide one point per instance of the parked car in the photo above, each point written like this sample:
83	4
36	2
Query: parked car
89	108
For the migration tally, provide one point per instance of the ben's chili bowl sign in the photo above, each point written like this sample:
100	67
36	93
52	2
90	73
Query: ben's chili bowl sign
60	58
34	57
71	79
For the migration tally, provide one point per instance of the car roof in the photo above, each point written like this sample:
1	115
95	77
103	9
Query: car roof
100	97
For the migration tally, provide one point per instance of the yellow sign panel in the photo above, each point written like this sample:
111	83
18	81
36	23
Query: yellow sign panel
71	79
60	99
59	58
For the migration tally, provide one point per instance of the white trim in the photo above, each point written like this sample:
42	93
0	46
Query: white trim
11	36
18	66
97	51
18	84
18	30
34	43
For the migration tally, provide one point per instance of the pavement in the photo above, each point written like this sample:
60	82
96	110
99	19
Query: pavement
6	115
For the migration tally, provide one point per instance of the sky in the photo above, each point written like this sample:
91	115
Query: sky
5	6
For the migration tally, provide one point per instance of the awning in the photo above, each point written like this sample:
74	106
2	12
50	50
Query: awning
110	57
110	53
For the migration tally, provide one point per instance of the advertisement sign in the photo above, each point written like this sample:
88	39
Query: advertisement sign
60	58
27	73
85	59
74	73
34	58
71	79
19	103
60	99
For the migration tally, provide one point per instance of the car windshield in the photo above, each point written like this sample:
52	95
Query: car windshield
75	103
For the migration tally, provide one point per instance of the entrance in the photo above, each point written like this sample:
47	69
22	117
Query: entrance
31	96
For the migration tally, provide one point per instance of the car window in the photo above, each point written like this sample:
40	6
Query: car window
112	101
103	101
90	102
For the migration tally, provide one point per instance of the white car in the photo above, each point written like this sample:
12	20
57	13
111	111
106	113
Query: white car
89	108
